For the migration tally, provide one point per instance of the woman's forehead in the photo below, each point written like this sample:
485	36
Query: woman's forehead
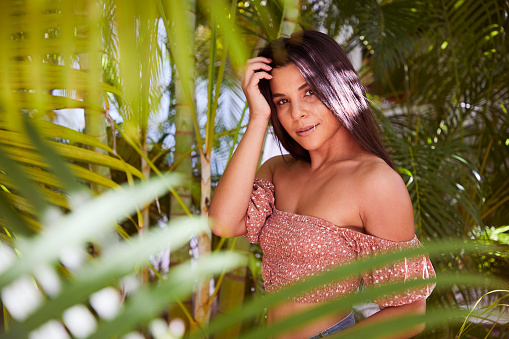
286	78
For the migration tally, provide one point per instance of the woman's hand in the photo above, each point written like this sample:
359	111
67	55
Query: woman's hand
256	69
232	194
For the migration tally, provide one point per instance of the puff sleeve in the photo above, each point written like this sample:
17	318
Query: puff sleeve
418	267
259	209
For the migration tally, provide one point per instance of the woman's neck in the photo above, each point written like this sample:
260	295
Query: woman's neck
341	147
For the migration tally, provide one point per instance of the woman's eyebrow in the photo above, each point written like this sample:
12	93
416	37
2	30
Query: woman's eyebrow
303	86
276	95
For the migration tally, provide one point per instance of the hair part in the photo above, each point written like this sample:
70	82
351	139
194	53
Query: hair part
326	68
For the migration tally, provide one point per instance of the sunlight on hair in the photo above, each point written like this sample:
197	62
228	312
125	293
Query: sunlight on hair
319	114
48	279
52	329
21	298
79	321
106	303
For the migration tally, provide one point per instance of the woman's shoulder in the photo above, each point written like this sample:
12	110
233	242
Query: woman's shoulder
278	163
386	207
375	173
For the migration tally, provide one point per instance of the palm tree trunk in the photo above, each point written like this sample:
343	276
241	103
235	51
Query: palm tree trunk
201	304
90	62
202	296
185	103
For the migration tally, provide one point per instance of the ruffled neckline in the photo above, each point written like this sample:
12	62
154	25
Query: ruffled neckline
323	222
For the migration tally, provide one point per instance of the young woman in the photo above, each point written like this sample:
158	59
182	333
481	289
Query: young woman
335	198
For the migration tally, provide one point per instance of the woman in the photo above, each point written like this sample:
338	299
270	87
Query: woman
335	198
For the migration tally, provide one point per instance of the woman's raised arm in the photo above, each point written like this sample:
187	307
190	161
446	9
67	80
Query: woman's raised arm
231	197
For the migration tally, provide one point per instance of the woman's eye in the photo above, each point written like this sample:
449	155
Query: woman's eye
281	102
309	92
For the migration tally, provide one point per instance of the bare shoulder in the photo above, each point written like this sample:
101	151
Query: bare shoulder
277	163
386	208
375	174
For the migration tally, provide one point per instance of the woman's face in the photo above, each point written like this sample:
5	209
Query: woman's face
304	117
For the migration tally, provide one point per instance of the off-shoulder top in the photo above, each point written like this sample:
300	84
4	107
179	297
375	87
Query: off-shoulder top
297	246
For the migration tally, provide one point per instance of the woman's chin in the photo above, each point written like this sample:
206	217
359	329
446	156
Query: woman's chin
308	146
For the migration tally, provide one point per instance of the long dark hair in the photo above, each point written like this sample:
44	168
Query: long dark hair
331	76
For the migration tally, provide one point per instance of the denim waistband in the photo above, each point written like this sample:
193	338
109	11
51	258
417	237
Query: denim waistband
344	323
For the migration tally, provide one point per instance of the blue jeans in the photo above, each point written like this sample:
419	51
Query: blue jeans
344	323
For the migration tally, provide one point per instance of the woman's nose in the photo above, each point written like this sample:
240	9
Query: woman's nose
299	111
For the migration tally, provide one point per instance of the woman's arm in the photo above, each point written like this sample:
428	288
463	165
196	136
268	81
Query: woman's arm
387	213
417	307
231	197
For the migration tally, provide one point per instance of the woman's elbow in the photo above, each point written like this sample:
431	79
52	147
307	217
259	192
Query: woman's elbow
217	228
216	225
222	229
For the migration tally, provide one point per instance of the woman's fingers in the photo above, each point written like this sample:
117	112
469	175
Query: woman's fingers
258	59
256	77
251	81
248	75
254	66
256	69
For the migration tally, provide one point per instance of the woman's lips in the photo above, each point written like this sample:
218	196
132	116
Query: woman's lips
306	130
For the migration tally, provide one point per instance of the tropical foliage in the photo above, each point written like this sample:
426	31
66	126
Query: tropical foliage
156	84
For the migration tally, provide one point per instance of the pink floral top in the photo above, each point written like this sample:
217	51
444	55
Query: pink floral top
298	246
